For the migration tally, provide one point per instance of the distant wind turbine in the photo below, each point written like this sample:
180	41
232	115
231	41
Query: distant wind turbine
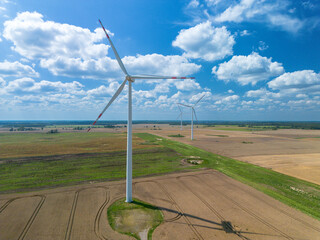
130	79
180	116
193	112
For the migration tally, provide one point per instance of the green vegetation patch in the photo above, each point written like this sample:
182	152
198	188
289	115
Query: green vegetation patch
294	192
244	142
134	219
98	160
14	145
217	135
177	135
306	137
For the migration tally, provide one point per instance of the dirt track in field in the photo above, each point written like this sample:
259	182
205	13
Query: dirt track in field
293	152
198	205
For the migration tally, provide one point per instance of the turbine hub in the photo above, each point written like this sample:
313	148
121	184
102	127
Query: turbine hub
128	78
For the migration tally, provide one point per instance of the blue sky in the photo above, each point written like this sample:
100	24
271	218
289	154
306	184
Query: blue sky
252	59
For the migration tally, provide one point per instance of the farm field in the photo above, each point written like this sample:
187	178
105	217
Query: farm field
30	161
87	162
294	152
199	205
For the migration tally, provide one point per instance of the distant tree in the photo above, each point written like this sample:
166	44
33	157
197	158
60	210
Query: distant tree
109	126
53	131
21	129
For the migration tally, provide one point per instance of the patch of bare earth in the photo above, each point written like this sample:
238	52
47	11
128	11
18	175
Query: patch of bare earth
135	221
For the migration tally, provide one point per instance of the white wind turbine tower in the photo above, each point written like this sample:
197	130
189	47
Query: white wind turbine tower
193	112
130	79
180	116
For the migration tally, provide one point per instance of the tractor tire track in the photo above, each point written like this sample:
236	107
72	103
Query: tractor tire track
178	216
212	209
33	216
72	212
98	216
3	207
195	231
244	209
274	207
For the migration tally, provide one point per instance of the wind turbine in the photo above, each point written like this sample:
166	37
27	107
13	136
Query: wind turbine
130	79
193	112
180	116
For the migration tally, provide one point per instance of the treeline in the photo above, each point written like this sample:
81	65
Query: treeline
112	124
281	125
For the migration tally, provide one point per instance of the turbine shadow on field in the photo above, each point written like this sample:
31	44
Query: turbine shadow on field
225	226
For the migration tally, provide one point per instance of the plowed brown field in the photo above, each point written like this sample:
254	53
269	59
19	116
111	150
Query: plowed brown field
199	205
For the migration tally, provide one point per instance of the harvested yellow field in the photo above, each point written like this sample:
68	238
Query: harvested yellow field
198	205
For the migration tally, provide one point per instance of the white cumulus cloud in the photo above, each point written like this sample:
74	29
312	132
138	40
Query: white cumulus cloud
228	99
298	79
172	65
286	22
245	33
102	68
107	68
103	91
205	41
30	86
261	93
71	51
187	85
34	37
16	69
274	13
248	69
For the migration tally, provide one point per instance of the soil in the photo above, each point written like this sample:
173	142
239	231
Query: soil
196	205
294	152
135	221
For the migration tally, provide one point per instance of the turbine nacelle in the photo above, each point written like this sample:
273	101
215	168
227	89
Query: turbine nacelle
129	78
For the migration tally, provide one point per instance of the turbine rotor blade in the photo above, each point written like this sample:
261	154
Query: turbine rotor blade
180	109
158	77
179	116
110	102
199	100
195	114
115	51
184	105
